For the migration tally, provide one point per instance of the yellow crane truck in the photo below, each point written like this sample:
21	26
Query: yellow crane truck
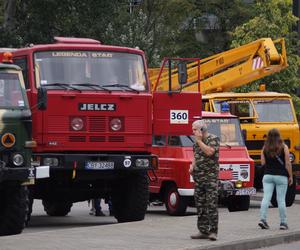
258	111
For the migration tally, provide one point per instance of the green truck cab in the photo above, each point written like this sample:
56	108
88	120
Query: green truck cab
16	170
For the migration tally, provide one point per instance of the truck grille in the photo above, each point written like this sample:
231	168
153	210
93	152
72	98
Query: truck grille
255	157
97	138
74	138
258	144
134	124
116	138
236	170
97	123
97	130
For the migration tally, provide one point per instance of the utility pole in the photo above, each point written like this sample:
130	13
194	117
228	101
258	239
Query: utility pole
133	3
296	12
130	6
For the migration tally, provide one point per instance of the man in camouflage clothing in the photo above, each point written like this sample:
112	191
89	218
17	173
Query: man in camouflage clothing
205	170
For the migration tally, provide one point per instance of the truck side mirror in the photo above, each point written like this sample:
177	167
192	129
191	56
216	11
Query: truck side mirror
244	134
42	98
298	92
182	73
298	117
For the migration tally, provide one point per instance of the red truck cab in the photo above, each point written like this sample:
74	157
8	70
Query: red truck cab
93	118
175	186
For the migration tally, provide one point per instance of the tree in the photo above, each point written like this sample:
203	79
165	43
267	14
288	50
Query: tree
8	20
161	28
273	18
39	21
214	22
171	28
9	14
153	25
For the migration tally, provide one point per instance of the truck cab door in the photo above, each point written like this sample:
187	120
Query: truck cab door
174	113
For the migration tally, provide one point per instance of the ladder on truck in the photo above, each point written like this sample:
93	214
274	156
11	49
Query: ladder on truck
227	70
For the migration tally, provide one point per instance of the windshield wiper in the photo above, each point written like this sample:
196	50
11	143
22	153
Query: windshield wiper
63	85
121	86
190	138
93	86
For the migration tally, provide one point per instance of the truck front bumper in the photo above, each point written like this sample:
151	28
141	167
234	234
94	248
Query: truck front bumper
23	174
223	192
98	161
227	188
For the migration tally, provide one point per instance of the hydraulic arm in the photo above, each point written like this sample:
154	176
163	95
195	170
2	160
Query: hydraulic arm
227	70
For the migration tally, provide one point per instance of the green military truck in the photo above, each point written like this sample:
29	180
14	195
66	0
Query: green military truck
16	171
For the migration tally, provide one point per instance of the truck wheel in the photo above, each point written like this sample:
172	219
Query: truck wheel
258	176
29	211
290	195
57	208
13	208
130	198
175	204
238	203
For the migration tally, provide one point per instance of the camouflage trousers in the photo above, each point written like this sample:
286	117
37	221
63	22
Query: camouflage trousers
206	201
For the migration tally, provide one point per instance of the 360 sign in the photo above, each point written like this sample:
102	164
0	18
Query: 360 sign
179	116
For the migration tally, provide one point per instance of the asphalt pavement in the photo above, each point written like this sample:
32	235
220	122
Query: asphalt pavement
237	230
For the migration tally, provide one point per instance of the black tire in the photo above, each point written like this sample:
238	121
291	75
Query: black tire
238	203
258	176
223	201
290	195
13	209
30	205
57	208
130	198
176	205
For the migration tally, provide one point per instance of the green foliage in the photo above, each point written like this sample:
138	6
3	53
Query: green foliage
39	21
219	18
1	11
161	28
154	26
273	18
173	28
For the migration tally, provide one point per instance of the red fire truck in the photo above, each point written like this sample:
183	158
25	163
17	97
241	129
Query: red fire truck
174	185
92	112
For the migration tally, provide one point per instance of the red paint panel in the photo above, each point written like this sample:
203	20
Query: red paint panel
163	103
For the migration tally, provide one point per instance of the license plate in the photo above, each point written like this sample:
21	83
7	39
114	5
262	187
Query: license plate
99	165
246	191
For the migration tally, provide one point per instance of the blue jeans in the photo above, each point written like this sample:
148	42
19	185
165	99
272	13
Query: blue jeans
281	183
97	205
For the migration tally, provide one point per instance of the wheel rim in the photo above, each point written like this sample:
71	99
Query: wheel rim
173	199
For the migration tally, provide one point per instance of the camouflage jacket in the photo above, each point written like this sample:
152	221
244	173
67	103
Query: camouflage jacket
207	167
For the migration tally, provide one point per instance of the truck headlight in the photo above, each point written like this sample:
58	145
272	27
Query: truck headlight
77	123
238	184
116	124
142	163
18	160
292	157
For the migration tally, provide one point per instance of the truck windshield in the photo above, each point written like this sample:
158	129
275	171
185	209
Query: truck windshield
277	110
240	108
11	95
227	129
111	70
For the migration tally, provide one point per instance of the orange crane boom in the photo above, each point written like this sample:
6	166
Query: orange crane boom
227	70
